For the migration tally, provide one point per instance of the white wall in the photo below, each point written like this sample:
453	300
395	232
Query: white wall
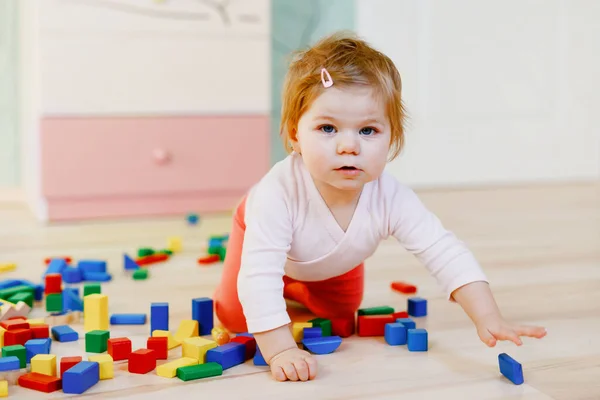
497	91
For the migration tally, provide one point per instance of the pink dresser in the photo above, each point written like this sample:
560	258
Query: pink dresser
127	167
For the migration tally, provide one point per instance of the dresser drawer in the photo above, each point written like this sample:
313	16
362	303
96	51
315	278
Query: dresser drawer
96	157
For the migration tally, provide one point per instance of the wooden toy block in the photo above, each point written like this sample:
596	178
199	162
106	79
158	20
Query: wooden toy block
187	329
93	266
34	347
81	377
382	310
417	307
92	288
18	351
199	371
159	317
196	347
298	330
7	267
54	302
95	312
169	370
17	323
322	345
145	251
373	325
10	363
417	340
17	336
209	259
165	251
400	314
72	275
250	344
25	297
403	287
259	359
343	327
53	283
40	331
96	341
97	276
64	333
395	334
174	244
55	266
202	311
142	361
22	309
3	388
140	274
119	348
407	322
105	364
172	343
310	333
129	264
153	259
44	364
63	318
128	319
160	345
67	363
40	382
7	311
229	355
324	324
511	369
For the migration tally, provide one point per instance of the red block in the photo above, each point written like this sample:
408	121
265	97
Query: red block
403	287
19	317
142	361
53	284
69	260
68	362
249	343
119	348
12	324
373	325
400	314
212	258
17	336
40	331
343	327
152	259
160	345
40	382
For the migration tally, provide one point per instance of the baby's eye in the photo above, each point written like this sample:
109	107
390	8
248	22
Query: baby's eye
328	128
367	131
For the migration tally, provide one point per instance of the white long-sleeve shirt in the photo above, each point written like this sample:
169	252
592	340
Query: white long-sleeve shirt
291	231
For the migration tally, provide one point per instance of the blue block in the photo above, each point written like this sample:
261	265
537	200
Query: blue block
322	345
159	317
417	307
8	283
96	276
56	266
10	363
407	322
72	275
228	355
395	334
37	346
313	332
215	242
81	377
417	340
245	334
511	369
192	219
64	333
71	300
38	288
129	264
202	311
258	358
128	319
91	266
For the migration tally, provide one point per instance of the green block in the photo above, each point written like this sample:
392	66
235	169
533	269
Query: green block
222	252
165	251
25	297
199	371
140	274
383	310
9	292
215	250
96	341
54	302
145	251
92	288
324	324
18	351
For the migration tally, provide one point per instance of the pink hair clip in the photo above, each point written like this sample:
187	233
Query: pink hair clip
325	74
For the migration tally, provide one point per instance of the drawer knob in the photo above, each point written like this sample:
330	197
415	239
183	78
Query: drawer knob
161	156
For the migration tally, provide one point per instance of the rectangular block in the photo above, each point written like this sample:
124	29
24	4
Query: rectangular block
34	347
373	325
159	317
105	363
64	333
171	341
187	329
228	355
324	324
96	341
12	324
128	319
202	311
511	369
417	340
91	266
298	330
44	364
18	351
199	371
417	307
142	361
54	302
160	345
40	382
55	266
81	377
9	363
169	370
95	312
67	362
92	288
119	348
197	347
53	283
382	310
250	344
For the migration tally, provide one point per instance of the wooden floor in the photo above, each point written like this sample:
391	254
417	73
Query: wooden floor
539	246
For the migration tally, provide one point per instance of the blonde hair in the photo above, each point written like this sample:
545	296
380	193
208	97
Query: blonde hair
350	61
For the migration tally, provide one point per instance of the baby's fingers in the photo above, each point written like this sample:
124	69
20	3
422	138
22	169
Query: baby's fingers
290	371
301	369
278	373
531	331
312	367
507	334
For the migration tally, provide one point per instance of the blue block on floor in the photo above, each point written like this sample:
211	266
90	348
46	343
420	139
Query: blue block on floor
10	363
37	346
244	334
86	266
258	358
407	322
417	307
96	276
228	355
313	332
322	345
395	334
511	369
81	377
128	319
202	311
56	266
417	340
129	264
159	317
64	333
71	300
72	275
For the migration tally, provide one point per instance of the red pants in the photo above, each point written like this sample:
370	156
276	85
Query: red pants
337	297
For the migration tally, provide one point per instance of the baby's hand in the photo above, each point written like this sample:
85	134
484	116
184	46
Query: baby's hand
493	327
293	364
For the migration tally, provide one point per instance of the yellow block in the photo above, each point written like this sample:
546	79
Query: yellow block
44	364
36	321
169	370
187	328
3	388
95	315
174	244
172	342
2	330
7	267
196	347
298	330
105	362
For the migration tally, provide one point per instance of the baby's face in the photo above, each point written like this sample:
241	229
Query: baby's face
344	138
